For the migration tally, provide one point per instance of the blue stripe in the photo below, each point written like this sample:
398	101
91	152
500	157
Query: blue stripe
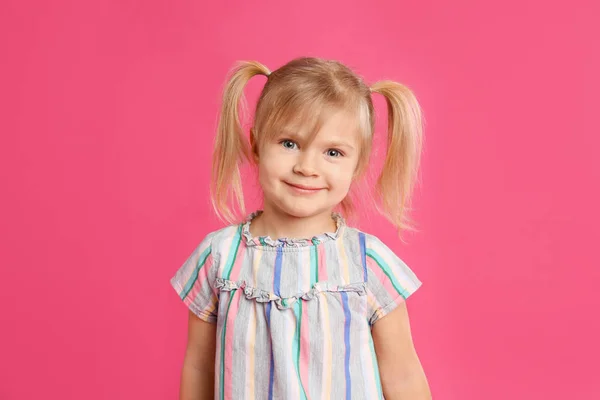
347	343
277	279
276	287
272	368
363	253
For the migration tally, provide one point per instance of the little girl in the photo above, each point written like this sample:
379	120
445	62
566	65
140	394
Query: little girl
292	303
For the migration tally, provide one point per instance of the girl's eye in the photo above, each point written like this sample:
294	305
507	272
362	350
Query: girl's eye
334	153
288	144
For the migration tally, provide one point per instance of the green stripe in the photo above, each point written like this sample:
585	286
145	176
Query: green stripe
314	266
233	254
190	283
222	381
296	346
386	269
374	357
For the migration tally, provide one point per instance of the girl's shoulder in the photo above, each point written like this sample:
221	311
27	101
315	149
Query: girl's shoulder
368	242
389	279
220	238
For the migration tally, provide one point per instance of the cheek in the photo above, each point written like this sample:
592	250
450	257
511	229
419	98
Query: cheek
342	178
263	173
267	170
273	161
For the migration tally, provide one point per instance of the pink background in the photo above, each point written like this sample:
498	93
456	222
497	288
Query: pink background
108	110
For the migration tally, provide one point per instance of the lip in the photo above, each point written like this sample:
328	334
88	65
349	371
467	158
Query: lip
303	188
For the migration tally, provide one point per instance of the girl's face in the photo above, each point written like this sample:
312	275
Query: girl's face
303	177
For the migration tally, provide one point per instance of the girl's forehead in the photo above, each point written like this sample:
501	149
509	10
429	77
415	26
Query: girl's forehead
341	126
327	123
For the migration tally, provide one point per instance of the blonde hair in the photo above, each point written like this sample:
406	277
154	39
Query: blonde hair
301	92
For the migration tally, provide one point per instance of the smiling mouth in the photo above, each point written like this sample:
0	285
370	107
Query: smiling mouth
303	189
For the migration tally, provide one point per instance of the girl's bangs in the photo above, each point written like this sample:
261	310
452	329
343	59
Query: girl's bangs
304	117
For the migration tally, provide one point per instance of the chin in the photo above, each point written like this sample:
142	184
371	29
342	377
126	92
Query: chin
304	211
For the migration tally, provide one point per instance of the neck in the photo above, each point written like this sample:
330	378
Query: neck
277	224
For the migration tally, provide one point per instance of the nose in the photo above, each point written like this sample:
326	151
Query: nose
305	165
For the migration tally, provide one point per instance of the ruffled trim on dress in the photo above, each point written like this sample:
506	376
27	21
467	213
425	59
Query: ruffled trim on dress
282	303
267	241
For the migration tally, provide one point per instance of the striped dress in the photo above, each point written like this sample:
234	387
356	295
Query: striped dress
294	316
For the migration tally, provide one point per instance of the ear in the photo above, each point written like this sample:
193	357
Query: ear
253	146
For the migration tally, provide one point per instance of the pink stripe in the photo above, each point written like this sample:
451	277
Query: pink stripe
200	281
250	357
382	277
327	351
304	349
251	338
228	376
239	260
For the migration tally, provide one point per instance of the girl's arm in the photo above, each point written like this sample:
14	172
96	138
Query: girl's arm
402	376
198	374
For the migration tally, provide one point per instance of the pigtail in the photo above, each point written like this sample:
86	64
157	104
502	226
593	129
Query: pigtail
404	142
231	147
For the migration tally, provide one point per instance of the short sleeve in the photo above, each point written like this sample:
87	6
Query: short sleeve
389	280
194	282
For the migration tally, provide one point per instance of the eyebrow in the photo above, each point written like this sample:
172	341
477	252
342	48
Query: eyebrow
289	134
340	144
